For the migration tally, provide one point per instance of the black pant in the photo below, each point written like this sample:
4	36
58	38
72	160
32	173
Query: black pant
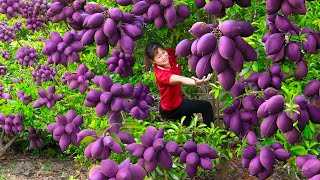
187	108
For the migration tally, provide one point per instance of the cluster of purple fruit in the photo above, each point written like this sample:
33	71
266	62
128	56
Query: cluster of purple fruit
277	42
11	8
7	34
24	97
309	164
277	117
272	79
140	102
153	150
3	69
287	7
57	10
16	80
35	13
218	7
125	137
62	50
35	8
65	129
111	170
80	10
48	99
121	63
262	164
312	45
312	91
225	58
101	147
43	73
17	26
27	56
197	155
80	79
113	99
35	138
119	29
242	115
11	123
162	12
35	23
4	95
259	81
5	54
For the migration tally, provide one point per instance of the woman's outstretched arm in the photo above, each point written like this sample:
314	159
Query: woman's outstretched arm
193	81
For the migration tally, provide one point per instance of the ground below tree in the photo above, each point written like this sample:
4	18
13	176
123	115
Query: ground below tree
20	166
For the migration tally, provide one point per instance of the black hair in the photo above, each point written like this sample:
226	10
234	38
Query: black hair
151	49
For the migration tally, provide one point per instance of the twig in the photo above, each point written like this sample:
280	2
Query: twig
184	93
3	150
56	82
19	42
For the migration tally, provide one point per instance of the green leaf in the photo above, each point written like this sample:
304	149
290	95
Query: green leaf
88	139
315	152
115	137
299	150
174	174
285	68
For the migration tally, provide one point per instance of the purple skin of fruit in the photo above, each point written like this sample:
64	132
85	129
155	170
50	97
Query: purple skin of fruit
312	88
199	28
282	154
301	160
311	168
268	126
227	47
227	78
302	70
230	28
206	44
251	138
235	123
284	123
184	48
275	104
249	152
274	43
314	113
293	136
267	157
255	165
264	80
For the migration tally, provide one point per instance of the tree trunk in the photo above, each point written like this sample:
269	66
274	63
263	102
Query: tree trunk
3	149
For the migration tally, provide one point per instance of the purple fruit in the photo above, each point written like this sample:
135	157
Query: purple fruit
199	28
226	47
230	28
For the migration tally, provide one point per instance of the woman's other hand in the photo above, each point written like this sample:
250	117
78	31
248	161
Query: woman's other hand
203	80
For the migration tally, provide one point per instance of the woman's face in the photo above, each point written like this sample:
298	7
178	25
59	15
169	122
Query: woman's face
161	58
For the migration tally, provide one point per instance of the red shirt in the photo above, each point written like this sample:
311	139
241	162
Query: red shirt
170	95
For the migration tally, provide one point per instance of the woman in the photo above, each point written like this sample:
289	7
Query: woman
169	80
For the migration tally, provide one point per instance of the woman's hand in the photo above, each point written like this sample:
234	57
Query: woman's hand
201	81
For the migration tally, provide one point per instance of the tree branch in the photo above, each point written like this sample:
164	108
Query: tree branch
3	150
184	93
1	138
